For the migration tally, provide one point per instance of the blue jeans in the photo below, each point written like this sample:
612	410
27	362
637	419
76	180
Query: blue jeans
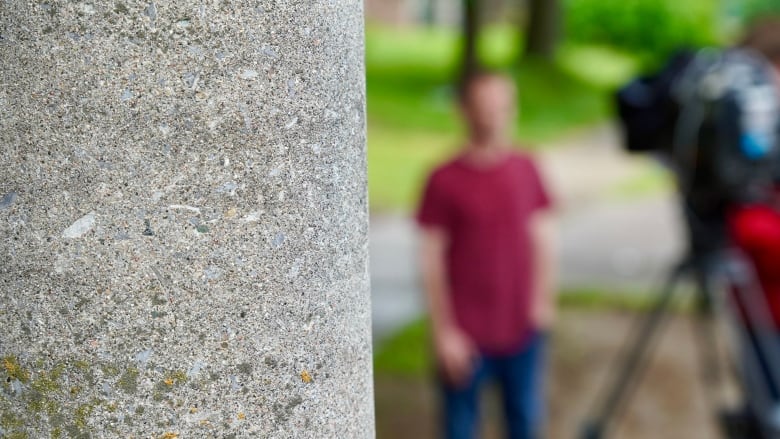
521	381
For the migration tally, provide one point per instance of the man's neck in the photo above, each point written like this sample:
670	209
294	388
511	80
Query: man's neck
487	142
486	151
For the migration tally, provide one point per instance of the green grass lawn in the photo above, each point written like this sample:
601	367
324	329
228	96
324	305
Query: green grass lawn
412	120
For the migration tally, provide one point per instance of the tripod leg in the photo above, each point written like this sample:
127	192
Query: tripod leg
630	367
705	330
760	358
713	367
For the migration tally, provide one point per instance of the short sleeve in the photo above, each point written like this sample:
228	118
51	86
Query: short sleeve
434	209
541	199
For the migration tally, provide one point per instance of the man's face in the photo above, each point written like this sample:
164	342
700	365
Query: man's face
490	106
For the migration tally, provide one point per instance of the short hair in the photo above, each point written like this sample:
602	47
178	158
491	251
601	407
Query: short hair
476	77
763	36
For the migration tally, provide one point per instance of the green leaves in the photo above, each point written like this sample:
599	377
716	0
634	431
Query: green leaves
650	28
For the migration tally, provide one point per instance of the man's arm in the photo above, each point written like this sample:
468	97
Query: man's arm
454	350
544	290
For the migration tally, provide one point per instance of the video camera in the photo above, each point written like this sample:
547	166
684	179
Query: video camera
714	117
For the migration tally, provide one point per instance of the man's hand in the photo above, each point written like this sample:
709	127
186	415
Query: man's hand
543	311
543	300
456	354
455	351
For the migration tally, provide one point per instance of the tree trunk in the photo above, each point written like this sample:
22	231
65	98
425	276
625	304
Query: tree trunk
543	28
429	12
470	60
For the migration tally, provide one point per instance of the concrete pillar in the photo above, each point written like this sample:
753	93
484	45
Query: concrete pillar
183	220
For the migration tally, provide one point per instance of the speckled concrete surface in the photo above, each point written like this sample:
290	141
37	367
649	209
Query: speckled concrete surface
183	220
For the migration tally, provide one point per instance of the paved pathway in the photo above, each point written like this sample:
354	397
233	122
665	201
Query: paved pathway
603	240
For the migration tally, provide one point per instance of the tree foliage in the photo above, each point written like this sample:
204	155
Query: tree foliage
653	28
752	9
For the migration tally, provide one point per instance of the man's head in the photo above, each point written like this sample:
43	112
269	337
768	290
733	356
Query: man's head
763	36
488	103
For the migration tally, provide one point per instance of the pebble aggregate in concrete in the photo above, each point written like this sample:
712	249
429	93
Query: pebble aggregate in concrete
183	220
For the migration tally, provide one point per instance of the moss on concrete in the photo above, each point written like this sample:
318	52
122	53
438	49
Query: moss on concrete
14	370
128	382
82	413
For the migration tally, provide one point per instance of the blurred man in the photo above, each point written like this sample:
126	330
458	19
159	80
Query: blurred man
487	267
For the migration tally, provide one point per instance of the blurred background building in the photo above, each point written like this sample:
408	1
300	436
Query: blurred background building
435	12
413	12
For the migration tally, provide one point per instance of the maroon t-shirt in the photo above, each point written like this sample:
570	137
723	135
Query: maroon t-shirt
486	214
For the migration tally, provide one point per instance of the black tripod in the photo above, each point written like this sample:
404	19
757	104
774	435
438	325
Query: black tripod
701	268
708	260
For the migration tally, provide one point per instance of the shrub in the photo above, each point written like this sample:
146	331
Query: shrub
755	8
